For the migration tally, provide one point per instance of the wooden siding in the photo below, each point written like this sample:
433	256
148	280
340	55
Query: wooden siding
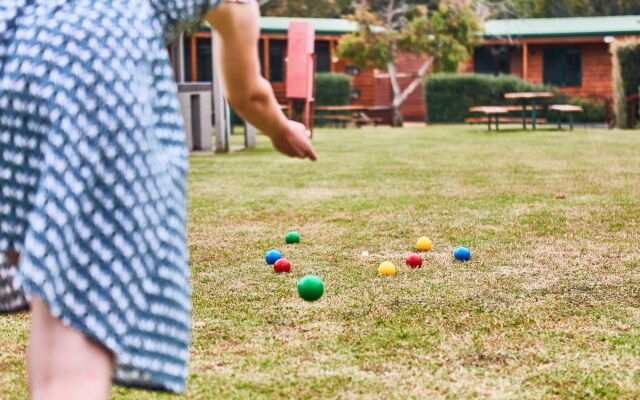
413	108
596	69
595	59
515	67
374	87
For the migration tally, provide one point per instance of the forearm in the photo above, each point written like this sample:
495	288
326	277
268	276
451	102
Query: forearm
261	109
248	93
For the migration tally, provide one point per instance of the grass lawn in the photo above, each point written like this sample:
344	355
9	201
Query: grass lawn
548	307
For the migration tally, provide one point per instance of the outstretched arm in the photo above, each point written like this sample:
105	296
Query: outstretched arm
247	91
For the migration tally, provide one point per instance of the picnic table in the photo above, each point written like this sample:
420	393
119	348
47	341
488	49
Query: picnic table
528	97
344	114
491	111
341	108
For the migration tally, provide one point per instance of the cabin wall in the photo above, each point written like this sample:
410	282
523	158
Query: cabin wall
595	60
371	87
516	63
413	109
596	69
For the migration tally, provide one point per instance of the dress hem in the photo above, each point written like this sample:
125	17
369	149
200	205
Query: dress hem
32	291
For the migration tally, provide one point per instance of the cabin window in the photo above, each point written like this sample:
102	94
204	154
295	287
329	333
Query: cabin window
277	54
323	57
186	42
204	60
563	67
493	60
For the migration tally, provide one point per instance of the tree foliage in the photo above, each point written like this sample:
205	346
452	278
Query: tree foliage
556	9
499	8
443	32
446	34
306	8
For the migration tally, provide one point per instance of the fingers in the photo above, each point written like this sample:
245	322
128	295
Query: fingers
296	142
307	150
306	153
311	153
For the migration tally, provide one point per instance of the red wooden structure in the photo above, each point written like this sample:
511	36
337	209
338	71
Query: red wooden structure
300	71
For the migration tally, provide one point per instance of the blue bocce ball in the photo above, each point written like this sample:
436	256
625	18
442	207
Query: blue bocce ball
273	256
462	254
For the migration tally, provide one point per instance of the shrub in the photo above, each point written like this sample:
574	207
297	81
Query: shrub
626	77
449	96
594	109
333	89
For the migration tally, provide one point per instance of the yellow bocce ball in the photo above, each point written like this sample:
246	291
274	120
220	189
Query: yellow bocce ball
424	244
387	269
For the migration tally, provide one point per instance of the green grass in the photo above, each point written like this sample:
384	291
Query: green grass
548	307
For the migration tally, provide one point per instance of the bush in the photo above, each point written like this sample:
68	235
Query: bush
594	109
333	89
626	78
449	96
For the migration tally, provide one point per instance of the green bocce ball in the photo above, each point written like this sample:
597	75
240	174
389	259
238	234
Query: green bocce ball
292	237
310	288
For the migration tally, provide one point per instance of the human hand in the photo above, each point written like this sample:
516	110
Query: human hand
294	141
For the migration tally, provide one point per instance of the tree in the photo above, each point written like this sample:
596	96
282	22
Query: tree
306	8
555	8
444	32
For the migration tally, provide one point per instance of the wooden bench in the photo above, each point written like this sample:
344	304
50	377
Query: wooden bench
504	120
343	115
498	112
338	120
491	112
565	109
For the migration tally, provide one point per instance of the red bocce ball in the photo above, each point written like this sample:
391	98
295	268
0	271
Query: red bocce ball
414	261
282	265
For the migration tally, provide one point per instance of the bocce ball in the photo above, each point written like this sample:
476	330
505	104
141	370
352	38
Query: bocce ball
310	288
414	261
282	265
424	244
386	269
292	237
273	256
462	254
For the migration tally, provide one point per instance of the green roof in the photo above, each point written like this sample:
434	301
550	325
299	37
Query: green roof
323	26
562	27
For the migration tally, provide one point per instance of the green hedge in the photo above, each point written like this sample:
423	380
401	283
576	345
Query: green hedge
626	78
449	96
333	89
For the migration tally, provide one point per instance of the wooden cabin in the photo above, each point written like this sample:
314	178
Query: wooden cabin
370	87
569	53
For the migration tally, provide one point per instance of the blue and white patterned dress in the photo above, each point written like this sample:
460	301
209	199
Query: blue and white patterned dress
92	176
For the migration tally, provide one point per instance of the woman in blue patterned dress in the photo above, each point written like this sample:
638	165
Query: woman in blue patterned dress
92	182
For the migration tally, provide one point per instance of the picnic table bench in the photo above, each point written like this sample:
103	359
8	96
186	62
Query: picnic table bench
565	109
343	115
489	112
498	114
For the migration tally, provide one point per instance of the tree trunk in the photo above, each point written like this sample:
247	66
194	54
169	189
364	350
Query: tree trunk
399	97
397	119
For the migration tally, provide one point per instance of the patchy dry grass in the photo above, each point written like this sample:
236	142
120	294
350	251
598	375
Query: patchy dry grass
547	308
